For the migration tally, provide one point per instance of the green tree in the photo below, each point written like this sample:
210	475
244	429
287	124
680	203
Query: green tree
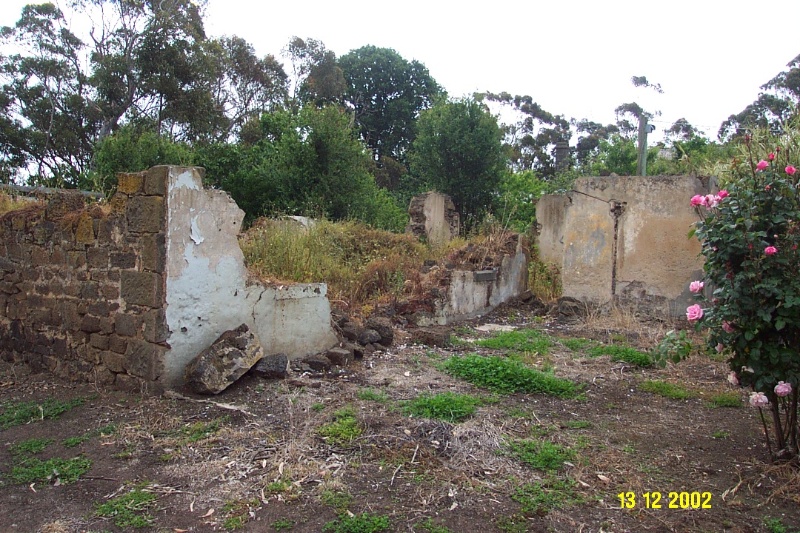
317	77
459	151
386	93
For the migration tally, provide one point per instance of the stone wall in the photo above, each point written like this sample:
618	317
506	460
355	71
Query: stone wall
625	239
83	287
433	216
127	294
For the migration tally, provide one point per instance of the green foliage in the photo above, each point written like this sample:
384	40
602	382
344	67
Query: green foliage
200	430
447	406
749	241
541	497
725	399
577	424
515	205
544	279
458	152
31	469
373	395
339	500
540	454
360	523
507	375
432	527
520	340
17	413
29	447
282	524
622	353
129	510
577	344
71	442
665	389
675	347
343	429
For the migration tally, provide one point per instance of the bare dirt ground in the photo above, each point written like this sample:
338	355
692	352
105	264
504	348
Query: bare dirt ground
258	462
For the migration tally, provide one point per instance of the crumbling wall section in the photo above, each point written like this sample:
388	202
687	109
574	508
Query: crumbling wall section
82	291
433	216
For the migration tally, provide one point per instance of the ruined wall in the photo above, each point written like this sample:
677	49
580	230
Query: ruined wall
433	216
126	294
550	218
625	238
207	286
83	287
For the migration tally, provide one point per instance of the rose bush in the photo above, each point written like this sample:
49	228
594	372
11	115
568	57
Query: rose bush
749	235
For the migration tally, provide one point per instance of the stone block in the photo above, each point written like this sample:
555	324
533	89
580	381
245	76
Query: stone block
90	324
97	257
144	359
39	256
339	356
99	341
484	275
99	308
155	325
128	383
57	256
146	214
62	203
110	291
113	361
123	260
154	252
90	291
128	325
84	231
130	183
383	327
103	376
30	274
118	204
273	366
70	317
117	344
155	181
142	288
76	259
105	229
225	361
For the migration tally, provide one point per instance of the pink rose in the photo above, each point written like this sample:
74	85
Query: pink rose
696	286
697	200
694	312
712	201
733	379
770	250
723	194
727	327
783	389
762	165
790	170
771	156
719	347
758	399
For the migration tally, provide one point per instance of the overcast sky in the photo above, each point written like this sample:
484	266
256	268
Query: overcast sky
575	58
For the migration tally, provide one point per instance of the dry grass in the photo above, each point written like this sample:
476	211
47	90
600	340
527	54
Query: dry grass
10	202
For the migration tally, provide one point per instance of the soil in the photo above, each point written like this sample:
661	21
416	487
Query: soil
253	459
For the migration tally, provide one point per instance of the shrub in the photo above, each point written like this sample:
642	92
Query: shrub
751	292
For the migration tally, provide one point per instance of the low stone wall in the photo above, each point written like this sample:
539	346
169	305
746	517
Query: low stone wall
126	294
83	287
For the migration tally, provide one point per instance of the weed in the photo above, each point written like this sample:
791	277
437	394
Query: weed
278	486
577	345
544	280
238	512
667	390
432	527
373	395
71	442
629	449
360	523
622	353
317	407
343	429
517	412
577	424
128	510
521	340
233	523
29	447
17	413
200	430
281	524
507	375
774	525
720	434
339	500
725	399
673	347
540	454
543	496
447	406
513	524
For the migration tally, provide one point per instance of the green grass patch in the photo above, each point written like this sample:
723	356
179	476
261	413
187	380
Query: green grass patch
63	471
128	510
200	430
282	524
338	500
432	527
720	434
507	375
622	353
541	497
577	424
667	390
447	406
725	399
540	454
360	523
521	340
29	447
18	413
372	395
343	429
578	344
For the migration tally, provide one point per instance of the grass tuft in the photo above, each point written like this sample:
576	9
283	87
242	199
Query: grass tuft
360	523
521	340
128	510
18	413
343	429
540	454
507	375
725	399
622	353
447	406
667	390
541	497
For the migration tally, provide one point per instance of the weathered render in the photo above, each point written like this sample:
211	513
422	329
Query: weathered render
624	239
433	216
126	294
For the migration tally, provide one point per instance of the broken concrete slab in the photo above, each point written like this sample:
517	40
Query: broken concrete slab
225	361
